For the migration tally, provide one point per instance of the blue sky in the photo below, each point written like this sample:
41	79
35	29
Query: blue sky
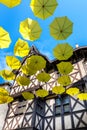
10	20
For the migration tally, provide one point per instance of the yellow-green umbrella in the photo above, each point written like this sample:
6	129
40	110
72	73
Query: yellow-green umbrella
27	95
21	48
63	51
44	77
10	3
43	8
82	96
3	92
42	93
64	80
13	62
61	28
7	74
58	89
27	70
65	67
72	91
5	39
5	99
23	80
30	29
36	62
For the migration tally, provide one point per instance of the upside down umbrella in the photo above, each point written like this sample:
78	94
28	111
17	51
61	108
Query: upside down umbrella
5	99
63	51
4	38
43	8
28	95
30	29
61	28
23	80
64	80
10	3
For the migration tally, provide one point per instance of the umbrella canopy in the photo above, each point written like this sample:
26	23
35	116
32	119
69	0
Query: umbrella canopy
82	96
65	67
4	92
30	29
44	77
21	48
13	62
10	3
64	80
4	38
42	93
36	62
72	91
61	28
63	51
22	80
5	99
43	8
7	74
27	95
58	89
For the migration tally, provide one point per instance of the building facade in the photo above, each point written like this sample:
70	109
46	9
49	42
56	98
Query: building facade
53	112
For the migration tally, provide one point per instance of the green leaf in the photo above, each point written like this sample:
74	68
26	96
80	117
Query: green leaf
72	91
58	89
63	51
21	48
44	77
42	93
7	74
64	80
27	95
65	67
22	80
13	62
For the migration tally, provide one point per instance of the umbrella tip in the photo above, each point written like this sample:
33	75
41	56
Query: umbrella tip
77	45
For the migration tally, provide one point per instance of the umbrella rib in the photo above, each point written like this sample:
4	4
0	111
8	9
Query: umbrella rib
3	35
69	26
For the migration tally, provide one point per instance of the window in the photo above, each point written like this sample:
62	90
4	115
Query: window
21	108
62	104
40	107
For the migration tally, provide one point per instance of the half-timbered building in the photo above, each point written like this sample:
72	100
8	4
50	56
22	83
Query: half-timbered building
53	112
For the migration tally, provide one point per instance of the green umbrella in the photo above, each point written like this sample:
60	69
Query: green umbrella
63	51
27	95
36	62
23	80
21	48
42	93
61	28
30	29
58	89
43	8
65	67
72	91
64	80
7	74
44	77
13	62
27	70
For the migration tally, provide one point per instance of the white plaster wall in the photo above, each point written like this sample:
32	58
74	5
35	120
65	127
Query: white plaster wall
3	111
